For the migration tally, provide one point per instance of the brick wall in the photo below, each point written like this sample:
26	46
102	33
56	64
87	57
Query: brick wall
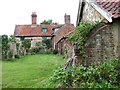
100	44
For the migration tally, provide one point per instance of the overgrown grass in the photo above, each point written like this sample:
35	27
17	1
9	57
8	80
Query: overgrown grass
30	70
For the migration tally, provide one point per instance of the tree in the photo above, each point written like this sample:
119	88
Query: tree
12	38
48	22
4	46
48	43
26	44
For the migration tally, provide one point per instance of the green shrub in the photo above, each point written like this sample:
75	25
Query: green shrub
10	53
17	56
4	46
36	49
48	43
26	44
9	59
38	44
55	51
96	75
33	53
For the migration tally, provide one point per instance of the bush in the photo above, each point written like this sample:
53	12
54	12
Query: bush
10	53
36	49
55	51
17	56
48	43
33	53
38	44
9	59
99	75
26	44
4	46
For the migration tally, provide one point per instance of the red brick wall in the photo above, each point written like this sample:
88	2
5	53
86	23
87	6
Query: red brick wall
100	44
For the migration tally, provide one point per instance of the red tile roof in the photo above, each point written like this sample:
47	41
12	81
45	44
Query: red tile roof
72	32
33	30
63	31
112	6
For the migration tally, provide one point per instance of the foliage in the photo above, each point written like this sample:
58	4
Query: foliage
4	46
36	49
10	53
17	46
38	44
81	34
55	51
12	38
17	56
26	44
33	53
96	75
48	43
48	22
49	51
68	51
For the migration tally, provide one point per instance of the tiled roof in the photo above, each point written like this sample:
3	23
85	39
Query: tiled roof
63	31
72	32
33	30
112	6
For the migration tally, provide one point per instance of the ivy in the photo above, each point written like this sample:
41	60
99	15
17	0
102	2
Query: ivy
81	34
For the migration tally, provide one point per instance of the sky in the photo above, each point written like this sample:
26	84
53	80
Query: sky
18	12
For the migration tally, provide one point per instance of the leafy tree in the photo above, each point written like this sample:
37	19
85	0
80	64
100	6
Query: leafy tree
4	46
48	43
12	38
48	22
26	44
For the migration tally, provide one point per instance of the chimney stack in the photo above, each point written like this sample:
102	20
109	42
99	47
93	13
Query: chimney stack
67	19
34	18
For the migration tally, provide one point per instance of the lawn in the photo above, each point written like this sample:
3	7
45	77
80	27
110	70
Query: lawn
30	70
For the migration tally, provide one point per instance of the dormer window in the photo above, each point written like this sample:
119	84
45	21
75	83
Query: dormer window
44	30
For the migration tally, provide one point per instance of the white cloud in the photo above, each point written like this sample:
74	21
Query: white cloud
19	12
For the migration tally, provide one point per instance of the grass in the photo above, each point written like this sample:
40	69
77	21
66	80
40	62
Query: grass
30	70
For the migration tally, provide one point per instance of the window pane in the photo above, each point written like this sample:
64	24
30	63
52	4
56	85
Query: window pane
44	38
21	38
44	30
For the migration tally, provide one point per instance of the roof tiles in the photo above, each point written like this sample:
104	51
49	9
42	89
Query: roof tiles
112	6
33	30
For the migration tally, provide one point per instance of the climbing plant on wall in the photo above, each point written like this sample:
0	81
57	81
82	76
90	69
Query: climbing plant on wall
81	34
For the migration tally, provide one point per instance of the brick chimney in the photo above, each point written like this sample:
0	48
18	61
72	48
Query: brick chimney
67	19
34	18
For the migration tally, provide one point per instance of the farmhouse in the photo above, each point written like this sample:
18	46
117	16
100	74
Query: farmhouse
104	40
35	32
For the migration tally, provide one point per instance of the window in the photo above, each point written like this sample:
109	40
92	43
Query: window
44	38
22	38
44	30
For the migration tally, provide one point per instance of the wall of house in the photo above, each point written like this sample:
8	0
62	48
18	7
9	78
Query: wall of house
34	40
116	31
67	49
100	44
90	14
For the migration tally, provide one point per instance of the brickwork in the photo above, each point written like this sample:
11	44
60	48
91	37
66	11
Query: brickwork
100	44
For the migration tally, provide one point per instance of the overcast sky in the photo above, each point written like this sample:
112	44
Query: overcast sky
14	12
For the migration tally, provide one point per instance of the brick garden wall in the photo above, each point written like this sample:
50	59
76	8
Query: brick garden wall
100	44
